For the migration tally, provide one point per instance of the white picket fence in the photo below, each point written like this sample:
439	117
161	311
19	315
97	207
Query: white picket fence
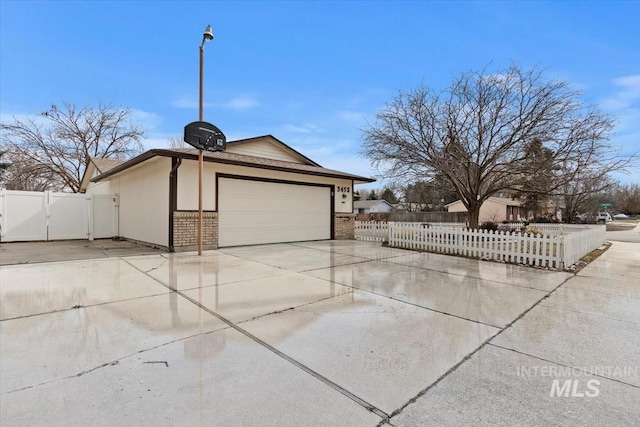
544	227
379	230
577	245
559	246
376	231
536	250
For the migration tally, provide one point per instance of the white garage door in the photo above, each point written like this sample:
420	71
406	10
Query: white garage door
257	212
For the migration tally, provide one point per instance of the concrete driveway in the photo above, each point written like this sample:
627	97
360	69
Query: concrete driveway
69	250
315	333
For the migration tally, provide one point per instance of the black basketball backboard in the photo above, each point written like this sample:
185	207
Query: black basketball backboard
205	136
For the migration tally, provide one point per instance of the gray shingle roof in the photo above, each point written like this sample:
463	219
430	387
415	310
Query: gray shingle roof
104	165
234	159
366	204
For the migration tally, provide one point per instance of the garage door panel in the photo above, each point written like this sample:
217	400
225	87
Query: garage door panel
256	212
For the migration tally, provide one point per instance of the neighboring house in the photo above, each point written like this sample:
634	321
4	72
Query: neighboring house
494	209
412	207
258	191
371	206
551	208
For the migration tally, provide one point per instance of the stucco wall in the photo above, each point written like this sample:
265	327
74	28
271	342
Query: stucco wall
188	184
146	189
490	211
493	212
456	207
102	187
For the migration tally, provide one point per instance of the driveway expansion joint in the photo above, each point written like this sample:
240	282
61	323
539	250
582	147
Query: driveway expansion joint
468	356
434	384
410	303
285	309
79	306
368	406
117	361
590	314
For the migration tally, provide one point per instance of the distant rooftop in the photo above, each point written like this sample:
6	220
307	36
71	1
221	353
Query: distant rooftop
366	204
103	165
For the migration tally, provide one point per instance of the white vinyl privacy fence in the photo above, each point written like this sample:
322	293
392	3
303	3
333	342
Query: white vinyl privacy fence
32	216
556	248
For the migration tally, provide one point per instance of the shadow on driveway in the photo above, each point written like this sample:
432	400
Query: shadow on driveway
69	250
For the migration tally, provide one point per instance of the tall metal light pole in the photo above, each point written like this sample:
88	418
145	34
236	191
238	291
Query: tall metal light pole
206	36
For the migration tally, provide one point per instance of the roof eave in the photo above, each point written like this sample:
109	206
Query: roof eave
83	186
169	153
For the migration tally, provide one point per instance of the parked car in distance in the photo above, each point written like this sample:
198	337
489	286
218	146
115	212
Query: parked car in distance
603	217
621	216
581	218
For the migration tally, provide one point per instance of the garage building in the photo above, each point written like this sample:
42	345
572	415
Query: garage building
258	191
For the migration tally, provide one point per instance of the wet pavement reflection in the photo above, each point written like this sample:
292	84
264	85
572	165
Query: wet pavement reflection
322	333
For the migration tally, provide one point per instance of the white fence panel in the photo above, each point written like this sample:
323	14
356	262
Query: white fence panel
371	230
577	245
556	246
105	218
68	216
23	216
530	249
445	224
31	216
545	228
559	228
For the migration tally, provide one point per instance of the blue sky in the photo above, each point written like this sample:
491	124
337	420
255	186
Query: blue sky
310	73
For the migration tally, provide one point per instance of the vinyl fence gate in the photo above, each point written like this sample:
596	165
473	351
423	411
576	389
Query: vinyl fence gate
37	216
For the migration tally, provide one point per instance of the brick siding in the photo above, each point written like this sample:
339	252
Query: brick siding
185	230
344	226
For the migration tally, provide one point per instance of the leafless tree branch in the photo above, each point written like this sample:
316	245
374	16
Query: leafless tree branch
478	133
59	144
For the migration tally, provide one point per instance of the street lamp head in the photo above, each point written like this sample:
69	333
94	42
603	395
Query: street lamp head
207	35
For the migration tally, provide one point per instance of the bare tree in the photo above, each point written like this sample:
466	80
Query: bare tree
478	133
581	195
23	173
175	142
59	142
364	194
626	198
4	165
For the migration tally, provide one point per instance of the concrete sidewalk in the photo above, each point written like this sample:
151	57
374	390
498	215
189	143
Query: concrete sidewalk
631	235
